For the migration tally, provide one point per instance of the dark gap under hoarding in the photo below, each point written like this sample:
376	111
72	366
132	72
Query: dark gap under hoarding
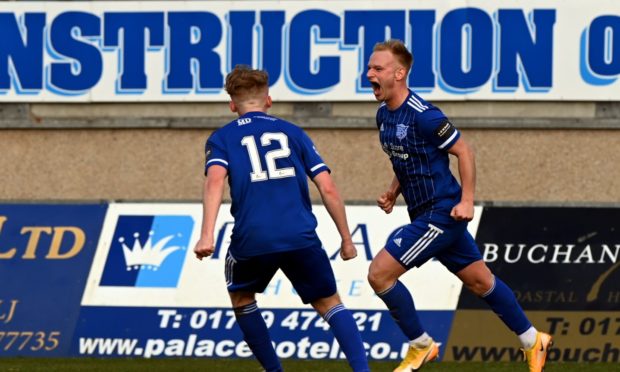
45	254
562	264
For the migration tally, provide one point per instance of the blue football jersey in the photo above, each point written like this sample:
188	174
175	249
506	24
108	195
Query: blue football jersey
268	162
416	137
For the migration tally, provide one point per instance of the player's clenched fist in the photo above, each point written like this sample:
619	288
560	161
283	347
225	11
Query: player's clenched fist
204	248
386	201
463	211
347	250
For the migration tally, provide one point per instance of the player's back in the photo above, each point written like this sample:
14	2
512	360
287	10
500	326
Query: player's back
268	161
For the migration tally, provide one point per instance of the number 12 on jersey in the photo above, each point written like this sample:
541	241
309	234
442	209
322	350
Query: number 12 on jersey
258	174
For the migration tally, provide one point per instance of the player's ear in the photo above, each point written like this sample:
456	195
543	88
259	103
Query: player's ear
400	73
268	102
232	106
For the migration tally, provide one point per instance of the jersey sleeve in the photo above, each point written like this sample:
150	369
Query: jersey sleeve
215	152
437	129
313	162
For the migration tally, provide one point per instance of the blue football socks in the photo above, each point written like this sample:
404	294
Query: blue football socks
257	337
400	303
344	328
504	303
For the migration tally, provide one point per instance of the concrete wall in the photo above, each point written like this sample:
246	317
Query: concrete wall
533	152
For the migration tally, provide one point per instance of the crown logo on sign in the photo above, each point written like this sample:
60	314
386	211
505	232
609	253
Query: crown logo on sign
150	256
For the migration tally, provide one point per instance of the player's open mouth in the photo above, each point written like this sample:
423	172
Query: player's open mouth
376	88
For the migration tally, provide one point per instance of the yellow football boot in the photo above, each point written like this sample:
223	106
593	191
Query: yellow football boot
417	357
537	355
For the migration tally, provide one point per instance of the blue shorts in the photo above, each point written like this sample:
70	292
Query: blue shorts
308	269
434	234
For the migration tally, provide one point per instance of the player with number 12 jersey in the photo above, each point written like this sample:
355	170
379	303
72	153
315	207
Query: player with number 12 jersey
268	160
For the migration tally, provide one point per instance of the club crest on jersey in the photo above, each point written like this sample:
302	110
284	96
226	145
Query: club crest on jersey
401	131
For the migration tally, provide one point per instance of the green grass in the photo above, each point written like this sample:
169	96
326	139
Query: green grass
232	365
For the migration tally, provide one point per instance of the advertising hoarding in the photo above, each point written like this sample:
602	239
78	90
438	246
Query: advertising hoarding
148	51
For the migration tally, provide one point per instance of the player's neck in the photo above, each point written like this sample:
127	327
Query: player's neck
245	110
398	98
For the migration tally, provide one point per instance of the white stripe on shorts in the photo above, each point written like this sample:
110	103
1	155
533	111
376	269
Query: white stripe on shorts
419	246
230	263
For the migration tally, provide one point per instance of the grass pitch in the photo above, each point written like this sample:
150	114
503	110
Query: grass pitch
237	365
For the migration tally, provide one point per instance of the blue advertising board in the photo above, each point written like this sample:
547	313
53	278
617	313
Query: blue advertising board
46	253
298	333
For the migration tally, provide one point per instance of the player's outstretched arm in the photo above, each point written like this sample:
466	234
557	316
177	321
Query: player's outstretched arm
212	199
335	206
467	172
387	200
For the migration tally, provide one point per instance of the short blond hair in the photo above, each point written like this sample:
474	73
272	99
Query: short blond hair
398	49
244	82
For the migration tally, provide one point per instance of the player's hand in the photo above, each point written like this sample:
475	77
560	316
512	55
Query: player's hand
386	201
204	248
463	211
347	250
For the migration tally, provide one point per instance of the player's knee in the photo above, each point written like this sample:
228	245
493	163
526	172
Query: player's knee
376	279
322	305
477	278
383	272
479	285
239	299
